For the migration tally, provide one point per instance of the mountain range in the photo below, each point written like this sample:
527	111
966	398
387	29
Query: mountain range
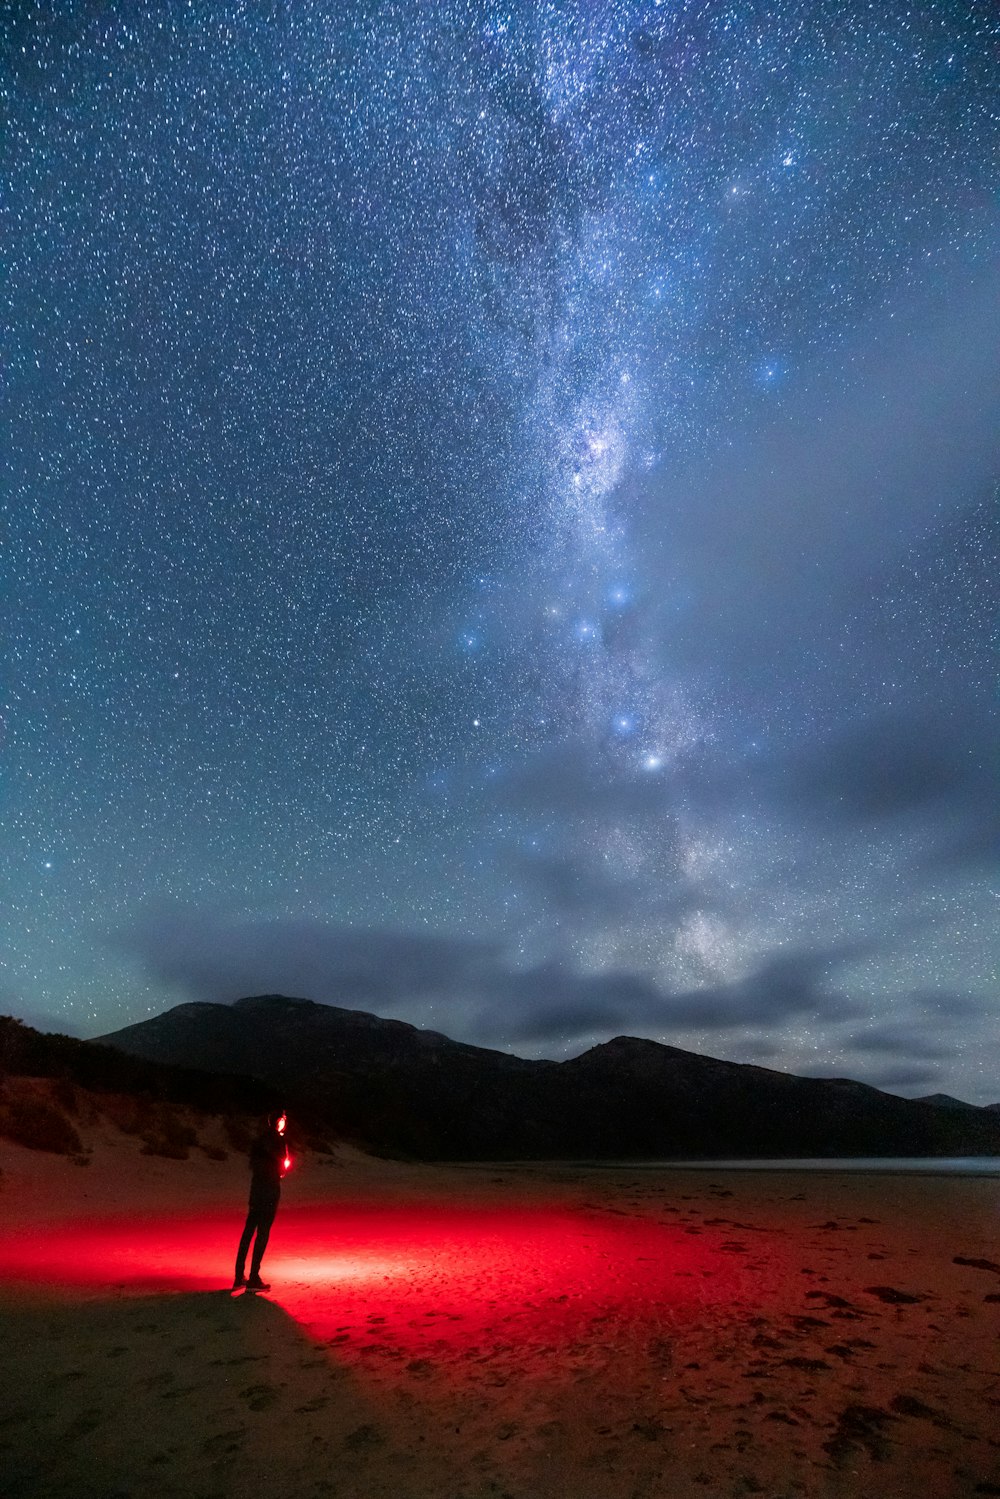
396	1088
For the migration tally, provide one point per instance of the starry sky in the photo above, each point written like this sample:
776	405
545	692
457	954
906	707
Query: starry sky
500	521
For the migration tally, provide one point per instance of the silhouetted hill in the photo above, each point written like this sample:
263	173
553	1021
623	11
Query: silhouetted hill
26	1052
383	1083
400	1089
946	1101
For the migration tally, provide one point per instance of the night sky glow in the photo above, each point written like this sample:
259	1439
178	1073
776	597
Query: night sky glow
500	521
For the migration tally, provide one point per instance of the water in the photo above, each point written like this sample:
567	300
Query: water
967	1165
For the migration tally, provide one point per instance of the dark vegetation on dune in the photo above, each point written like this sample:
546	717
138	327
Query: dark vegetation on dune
400	1090
52	1086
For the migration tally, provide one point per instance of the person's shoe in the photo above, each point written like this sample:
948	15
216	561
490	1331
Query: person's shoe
256	1284
239	1282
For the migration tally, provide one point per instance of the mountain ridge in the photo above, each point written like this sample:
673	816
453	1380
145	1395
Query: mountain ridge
392	1086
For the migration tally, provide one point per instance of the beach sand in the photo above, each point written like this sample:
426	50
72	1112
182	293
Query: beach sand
519	1332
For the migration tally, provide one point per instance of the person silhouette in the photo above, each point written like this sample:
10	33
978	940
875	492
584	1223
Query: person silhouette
269	1160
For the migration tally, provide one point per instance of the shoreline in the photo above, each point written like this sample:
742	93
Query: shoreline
946	1166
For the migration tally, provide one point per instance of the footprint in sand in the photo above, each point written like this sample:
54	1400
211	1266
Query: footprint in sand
260	1397
909	1405
83	1425
892	1297
224	1441
312	1405
960	1259
860	1426
845	1310
362	1438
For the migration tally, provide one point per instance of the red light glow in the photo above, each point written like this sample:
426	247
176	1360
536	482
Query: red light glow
434	1276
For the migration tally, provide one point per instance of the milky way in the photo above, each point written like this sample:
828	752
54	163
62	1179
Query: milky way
500	522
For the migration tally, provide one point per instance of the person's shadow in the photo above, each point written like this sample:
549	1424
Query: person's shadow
194	1394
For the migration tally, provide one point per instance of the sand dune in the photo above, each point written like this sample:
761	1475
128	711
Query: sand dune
531	1332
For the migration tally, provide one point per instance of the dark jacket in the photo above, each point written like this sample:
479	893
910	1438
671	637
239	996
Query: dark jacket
267	1155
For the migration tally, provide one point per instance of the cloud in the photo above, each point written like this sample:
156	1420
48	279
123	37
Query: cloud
948	1004
782	987
883	767
924	777
845	556
897	1041
893	764
469	987
554	1003
929	775
217	957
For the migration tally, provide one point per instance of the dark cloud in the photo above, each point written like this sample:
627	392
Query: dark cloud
897	1075
881	768
894	764
928	774
785	986
948	1004
469	986
552	1003
217	957
898	1041
926	777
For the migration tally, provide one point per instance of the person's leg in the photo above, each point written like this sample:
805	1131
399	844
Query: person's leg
264	1220
252	1224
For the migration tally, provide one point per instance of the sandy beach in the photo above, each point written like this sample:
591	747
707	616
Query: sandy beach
521	1332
